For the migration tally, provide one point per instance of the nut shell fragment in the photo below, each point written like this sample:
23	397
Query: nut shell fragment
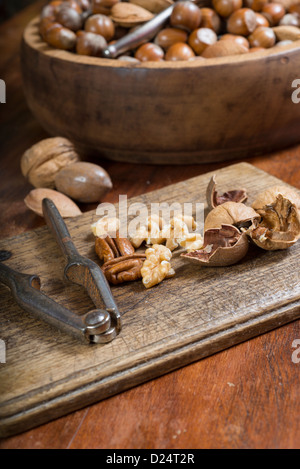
269	196
230	213
279	227
66	207
214	199
222	247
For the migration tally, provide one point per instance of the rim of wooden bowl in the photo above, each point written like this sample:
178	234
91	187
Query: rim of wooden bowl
33	39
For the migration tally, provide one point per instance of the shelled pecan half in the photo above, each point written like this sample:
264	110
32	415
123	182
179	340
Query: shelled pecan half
124	269
110	248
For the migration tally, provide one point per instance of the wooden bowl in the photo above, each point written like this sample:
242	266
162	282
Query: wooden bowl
165	112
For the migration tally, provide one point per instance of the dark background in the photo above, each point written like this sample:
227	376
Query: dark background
9	7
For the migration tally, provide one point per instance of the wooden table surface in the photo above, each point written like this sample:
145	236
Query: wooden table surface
244	397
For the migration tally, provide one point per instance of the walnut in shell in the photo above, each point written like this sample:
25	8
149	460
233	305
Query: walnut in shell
222	247
41	162
214	199
279	227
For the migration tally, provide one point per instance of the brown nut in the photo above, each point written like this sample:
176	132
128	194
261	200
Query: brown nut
222	247
261	20
85	182
110	248
157	265
155	6
169	36
68	17
279	227
262	37
103	6
273	12
129	15
210	19
287	33
186	15
66	207
179	51
41	162
255	5
224	49
100	24
226	7
214	199
231	213
201	38
124	269
90	44
291	19
149	52
242	22
59	37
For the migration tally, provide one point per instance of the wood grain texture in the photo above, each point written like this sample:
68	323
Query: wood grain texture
244	397
199	312
170	112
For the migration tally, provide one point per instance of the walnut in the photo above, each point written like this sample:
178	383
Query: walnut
150	232
157	265
105	225
41	162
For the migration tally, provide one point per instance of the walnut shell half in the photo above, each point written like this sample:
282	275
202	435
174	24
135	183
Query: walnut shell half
214	199
222	247
269	196
279	227
230	213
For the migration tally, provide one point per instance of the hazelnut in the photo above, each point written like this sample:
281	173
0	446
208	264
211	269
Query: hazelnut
242	22
149	52
262	37
59	37
226	7
210	19
100	24
291	19
90	44
179	51
169	36
69	18
261	20
201	38
186	15
255	5
273	12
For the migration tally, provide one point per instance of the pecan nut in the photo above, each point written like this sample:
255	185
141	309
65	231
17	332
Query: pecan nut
110	248
124	269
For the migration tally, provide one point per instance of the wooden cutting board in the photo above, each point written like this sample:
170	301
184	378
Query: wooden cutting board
200	311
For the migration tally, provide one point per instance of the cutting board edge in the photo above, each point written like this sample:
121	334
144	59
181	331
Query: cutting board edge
146	371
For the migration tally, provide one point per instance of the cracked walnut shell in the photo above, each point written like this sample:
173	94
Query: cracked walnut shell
279	227
214	199
222	247
230	213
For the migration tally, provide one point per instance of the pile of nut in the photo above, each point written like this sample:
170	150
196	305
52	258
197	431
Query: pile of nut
54	168
227	27
271	223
